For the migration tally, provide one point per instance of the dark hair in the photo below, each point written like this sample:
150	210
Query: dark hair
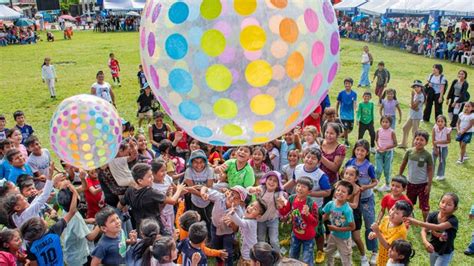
11	131
262	252
111	54
33	229
345	184
23	181
10	201
439	67
6	235
263	205
453	196
247	147
65	199
31	140
367	93
384	94
386	117
350	80
381	63
162	247
188	218
100	72
364	144
304	180
197	232
401	180
353	167
404	248
165	145
4	142
139	171
2	117
156	165
149	230
18	114
158	114
104	214
465	73
403	206
314	151
423	134
335	127
442	117
12	153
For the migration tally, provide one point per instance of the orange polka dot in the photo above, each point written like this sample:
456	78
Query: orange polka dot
296	95
289	30
279	3
292	118
295	65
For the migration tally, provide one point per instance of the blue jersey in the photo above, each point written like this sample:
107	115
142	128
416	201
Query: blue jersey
346	102
26	131
47	250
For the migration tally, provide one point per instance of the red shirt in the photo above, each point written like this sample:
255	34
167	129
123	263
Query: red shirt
304	226
94	202
310	121
388	201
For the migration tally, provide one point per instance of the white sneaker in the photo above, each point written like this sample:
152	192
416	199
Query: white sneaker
373	258
372	150
364	261
440	178
337	255
385	188
459	161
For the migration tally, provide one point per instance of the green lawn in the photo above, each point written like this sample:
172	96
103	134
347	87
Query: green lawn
78	60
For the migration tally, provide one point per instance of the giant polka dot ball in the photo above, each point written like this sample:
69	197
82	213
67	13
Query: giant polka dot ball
86	131
237	72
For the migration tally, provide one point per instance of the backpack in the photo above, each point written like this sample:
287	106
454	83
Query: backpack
427	87
309	202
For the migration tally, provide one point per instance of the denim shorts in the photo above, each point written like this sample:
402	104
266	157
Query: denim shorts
466	137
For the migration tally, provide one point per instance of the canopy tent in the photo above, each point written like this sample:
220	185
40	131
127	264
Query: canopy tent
349	5
7	13
409	7
124	4
462	8
377	8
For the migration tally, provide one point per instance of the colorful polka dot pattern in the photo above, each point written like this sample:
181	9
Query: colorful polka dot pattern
234	72
86	131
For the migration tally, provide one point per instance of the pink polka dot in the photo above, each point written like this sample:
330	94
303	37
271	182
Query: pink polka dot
223	27
317	53
311	20
227	56
335	43
142	38
253	55
145	69
62	143
310	108
151	44
154	77
53	138
148	8
156	12
165	105
332	72
316	84
249	21
328	12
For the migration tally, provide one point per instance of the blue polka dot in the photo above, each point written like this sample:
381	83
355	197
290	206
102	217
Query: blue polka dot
194	35
180	80
99	120
92	113
202	132
105	128
217	143
178	12
176	46
201	61
190	110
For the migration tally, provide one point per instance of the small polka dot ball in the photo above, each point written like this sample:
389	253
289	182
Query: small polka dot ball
86	131
239	72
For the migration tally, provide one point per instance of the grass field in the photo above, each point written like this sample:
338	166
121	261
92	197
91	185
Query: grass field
78	60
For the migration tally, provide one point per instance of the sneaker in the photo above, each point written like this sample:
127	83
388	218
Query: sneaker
373	258
364	261
440	178
468	252
337	255
459	161
372	150
320	256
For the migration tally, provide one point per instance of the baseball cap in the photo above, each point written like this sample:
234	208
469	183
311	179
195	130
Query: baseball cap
241	190
417	83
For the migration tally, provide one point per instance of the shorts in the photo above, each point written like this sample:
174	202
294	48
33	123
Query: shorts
348	124
357	220
146	115
417	191
466	137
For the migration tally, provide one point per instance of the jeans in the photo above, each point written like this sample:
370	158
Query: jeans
223	242
383	163
308	250
367	206
394	121
440	260
442	154
270	226
364	77
471	245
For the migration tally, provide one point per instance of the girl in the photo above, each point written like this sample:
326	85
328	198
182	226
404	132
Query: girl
263	254
457	96
443	226
158	131
274	155
416	112
14	136
288	170
93	194
10	247
145	155
441	137
310	134
164	183
366	61
388	105
260	168
195	145
48	73
386	140
465	128
164	252
351	174
149	233
215	157
400	253
269	190
114	67
103	89
367	180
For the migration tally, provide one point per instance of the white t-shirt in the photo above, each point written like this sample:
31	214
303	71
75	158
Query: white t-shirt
465	121
199	178
436	82
276	160
40	163
103	91
120	171
163	188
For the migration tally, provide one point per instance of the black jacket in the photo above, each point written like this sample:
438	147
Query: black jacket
464	95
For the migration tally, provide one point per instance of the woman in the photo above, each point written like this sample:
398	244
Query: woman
158	131
435	92
366	63
457	96
333	152
144	154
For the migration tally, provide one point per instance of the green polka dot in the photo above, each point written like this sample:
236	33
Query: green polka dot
232	130
213	43
218	77
211	9
225	108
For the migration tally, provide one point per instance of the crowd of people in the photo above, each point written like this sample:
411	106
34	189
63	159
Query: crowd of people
17	35
116	23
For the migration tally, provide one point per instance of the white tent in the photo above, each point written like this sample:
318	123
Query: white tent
451	7
377	7
409	7
8	13
124	4
349	5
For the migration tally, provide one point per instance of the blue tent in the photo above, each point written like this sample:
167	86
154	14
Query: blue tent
359	17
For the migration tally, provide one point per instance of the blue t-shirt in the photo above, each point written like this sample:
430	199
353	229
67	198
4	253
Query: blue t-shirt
3	133
47	249
284	148
346	102
366	175
5	168
187	251
339	216
15	172
111	251
26	131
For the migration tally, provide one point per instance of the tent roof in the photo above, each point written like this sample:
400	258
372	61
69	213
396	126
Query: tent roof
409	7
451	7
378	7
349	5
124	4
8	13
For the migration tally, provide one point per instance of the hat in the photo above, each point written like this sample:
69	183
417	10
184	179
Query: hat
417	83
197	154
64	198
263	180
146	85
241	190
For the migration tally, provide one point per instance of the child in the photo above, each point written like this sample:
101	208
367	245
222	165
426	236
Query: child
25	129
288	170
304	219
397	187
465	128
48	74
470	249
5	167
400	253
386	140
17	161
341	218
15	138
158	131
443	226
330	117
420	172
365	119
139	253
416	112
273	154
314	119
144	102
290	141
191	246
141	78
390	229
441	137
102	89
3	129
164	251
388	104
259	166
263	254
11	246
383	78
367	61
247	227
114	67
44	245
93	194
215	157
145	155
238	171
310	134
347	100
367	180
39	159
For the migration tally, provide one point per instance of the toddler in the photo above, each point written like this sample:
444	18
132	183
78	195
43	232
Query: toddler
114	67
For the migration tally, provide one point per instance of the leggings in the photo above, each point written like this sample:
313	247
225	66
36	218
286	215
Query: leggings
370	127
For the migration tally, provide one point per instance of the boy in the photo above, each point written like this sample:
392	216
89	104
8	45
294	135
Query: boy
420	172
304	219
383	78
247	227
17	161
5	166
114	67
390	229
238	171
141	78
112	246
39	159
397	187
44	246
290	141
5	145
3	130
347	100
144	102
26	130
365	119
330	117
222	235
192	245
339	213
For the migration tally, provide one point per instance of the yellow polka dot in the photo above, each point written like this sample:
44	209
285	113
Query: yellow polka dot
260	140
263	126
210	9
295	65
232	130
83	116
86	147
262	104
292	118
258	73
84	137
83	126
218	77
238	142
91	165
296	95
245	7
213	43
252	38
88	156
225	108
